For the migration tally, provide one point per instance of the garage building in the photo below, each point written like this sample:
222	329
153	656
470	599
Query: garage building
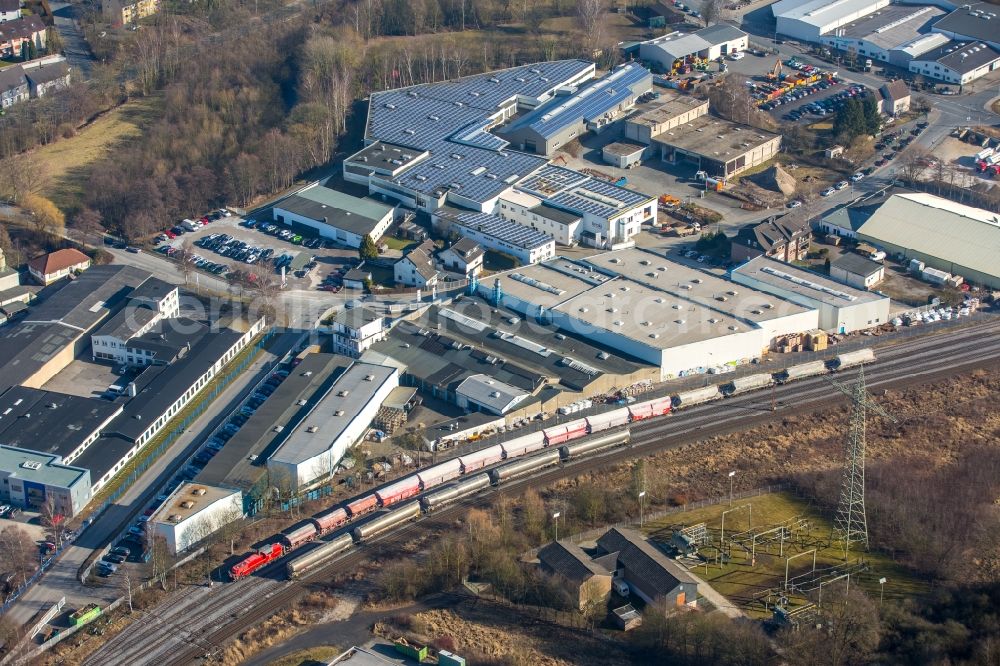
708	43
335	215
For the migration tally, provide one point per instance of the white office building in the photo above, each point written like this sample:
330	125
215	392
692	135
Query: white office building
194	512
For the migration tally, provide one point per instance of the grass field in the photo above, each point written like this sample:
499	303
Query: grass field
402	244
66	161
744	582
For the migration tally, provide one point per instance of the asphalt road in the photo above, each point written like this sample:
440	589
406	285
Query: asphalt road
75	47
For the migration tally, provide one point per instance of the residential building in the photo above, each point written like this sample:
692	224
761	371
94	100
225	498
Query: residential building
335	215
587	582
841	308
853	269
47	75
957	62
126	12
54	266
313	451
482	393
649	573
193	512
806	20
894	97
10	10
465	257
945	235
31	479
416	269
19	35
357	329
667	51
784	237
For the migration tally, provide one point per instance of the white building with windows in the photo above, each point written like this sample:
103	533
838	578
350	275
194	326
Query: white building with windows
356	330
529	211
335	215
495	233
193	512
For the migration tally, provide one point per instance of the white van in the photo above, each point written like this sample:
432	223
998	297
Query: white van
736	55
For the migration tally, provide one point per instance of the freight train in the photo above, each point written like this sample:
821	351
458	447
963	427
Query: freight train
527	454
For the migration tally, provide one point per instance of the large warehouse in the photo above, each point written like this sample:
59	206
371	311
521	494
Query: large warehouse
949	236
806	20
335	215
338	421
719	147
677	318
957	62
972	21
717	40
841	308
889	34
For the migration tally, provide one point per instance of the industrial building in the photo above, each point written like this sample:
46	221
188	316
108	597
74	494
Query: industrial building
889	34
853	269
335	215
193	512
841	308
587	580
357	329
664	114
945	235
313	451
482	393
242	462
721	148
957	62
593	107
529	211
972	21
708	43
806	20
121	338
649	573
33	479
497	234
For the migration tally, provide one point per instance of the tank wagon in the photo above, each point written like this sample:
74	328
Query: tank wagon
455	492
801	371
592	444
386	521
851	359
318	556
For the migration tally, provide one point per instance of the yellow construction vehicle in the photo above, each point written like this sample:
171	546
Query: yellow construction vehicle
775	72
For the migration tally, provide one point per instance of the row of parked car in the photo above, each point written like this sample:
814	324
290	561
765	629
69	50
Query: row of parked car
288	235
798	93
195	260
829	105
235	249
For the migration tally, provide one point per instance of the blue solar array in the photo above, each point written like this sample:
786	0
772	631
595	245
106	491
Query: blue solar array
551	179
578	202
505	230
470	172
588	103
476	135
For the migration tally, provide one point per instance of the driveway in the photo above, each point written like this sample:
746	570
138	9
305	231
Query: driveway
75	47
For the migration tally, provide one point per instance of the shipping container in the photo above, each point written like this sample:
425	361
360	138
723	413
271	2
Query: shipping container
398	491
482	458
316	557
360	507
298	534
84	615
591	444
438	474
853	358
650	408
519	446
748	383
934	275
615	418
696	396
802	370
565	432
331	519
454	492
524	466
386	521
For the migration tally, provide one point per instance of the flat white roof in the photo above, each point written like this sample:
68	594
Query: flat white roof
823	12
188	500
813	286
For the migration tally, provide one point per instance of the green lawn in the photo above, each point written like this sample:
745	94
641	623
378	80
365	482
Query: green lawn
743	581
402	244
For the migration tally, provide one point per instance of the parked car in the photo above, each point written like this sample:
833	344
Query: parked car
795	203
827	192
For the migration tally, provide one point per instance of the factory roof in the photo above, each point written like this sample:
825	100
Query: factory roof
962	57
550	180
715	138
552	282
977	20
922	44
676	45
821	13
893	26
335	411
387	156
569	561
188	500
503	230
491	393
242	462
449	120
39	467
586	104
624	148
358	215
665	109
53	423
599	198
954	232
854	263
126	322
153	290
720	33
169	336
555	214
807	284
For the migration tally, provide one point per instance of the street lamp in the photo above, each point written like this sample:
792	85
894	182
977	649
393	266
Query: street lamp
881	590
555	517
641	495
731	475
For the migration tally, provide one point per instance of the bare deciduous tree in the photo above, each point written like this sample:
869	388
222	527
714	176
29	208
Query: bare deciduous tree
591	14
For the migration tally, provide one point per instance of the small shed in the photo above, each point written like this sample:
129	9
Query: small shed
624	154
356	278
833	151
627	617
857	271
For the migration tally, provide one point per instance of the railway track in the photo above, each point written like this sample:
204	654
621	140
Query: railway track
197	624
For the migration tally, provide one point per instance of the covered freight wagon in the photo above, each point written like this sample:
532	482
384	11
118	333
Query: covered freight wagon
438	474
615	418
318	556
363	505
481	458
565	432
330	519
524	444
387	521
697	396
802	370
455	492
399	491
853	358
591	444
298	534
524	466
650	408
749	383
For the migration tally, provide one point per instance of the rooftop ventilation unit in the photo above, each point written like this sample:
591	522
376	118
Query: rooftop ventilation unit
369	378
494	394
198	491
300	402
175	518
31	464
312	429
187	504
344	393
278	428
